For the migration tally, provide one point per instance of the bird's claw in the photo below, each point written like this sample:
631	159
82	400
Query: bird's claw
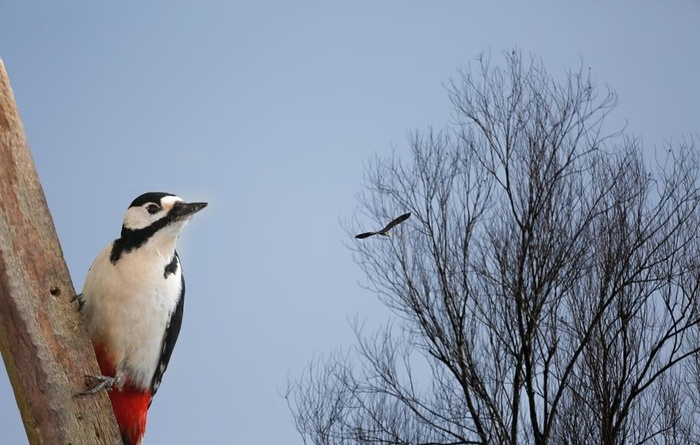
103	382
79	299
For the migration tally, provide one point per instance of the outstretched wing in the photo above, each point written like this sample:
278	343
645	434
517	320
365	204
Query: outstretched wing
396	222
385	230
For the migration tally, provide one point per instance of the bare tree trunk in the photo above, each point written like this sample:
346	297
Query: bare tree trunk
45	348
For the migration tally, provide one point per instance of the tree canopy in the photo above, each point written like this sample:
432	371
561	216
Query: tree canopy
546	288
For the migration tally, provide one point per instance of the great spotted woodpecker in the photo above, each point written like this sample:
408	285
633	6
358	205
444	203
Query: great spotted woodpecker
132	304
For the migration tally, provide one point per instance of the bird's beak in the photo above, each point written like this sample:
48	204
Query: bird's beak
183	210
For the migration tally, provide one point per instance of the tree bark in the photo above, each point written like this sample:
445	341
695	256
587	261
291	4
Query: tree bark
45	348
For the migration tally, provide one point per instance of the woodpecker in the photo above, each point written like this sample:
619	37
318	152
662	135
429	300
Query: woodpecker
132	304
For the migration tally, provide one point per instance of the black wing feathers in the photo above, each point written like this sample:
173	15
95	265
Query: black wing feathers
172	330
385	230
396	222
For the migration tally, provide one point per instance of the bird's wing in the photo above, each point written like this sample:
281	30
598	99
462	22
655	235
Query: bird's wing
365	235
172	331
396	222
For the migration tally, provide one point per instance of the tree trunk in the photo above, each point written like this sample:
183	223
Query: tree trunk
45	347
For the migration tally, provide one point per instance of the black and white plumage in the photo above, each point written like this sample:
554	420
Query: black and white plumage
387	228
132	304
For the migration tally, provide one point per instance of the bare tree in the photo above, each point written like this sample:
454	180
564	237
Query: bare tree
546	288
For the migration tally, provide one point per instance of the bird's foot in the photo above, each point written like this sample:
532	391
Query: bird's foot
103	382
79	299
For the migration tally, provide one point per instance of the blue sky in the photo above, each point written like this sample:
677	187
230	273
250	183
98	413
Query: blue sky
270	111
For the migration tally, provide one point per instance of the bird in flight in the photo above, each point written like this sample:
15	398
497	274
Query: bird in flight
385	230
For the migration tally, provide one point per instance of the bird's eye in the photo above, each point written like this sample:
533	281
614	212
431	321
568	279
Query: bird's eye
153	208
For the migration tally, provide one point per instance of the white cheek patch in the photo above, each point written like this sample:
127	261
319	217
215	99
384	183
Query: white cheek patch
139	218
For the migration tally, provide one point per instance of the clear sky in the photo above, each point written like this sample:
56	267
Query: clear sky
270	111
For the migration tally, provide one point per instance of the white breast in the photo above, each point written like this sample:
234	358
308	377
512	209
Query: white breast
127	306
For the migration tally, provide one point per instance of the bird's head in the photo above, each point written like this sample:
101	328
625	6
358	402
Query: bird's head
154	219
157	211
157	214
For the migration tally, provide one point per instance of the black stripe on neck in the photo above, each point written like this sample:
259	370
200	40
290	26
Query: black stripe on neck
134	238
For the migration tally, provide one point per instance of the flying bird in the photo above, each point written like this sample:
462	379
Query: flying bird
132	304
385	230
